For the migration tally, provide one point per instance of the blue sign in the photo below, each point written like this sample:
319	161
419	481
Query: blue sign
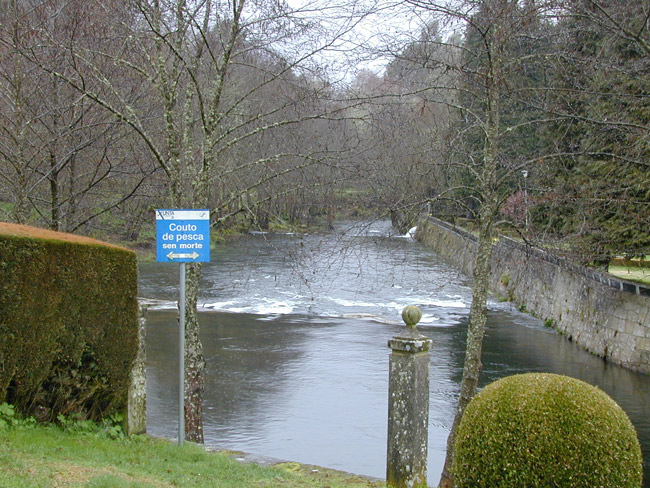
183	236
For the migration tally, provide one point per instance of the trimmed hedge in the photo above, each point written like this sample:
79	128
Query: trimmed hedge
68	323
545	430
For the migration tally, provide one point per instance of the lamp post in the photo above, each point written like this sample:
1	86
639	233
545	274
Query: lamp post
525	173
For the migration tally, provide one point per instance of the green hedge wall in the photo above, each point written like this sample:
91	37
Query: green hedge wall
68	323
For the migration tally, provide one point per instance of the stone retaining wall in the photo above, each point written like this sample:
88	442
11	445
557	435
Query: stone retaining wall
607	316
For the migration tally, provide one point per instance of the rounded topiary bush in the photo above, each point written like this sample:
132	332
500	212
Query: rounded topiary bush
545	430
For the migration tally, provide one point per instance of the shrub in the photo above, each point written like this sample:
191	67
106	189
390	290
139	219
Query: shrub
68	323
535	430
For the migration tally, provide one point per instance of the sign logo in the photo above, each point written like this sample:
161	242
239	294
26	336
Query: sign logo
183	236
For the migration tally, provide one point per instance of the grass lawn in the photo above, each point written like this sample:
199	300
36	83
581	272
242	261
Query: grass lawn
631	273
47	456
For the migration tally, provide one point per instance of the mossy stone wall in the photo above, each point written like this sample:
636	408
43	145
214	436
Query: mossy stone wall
68	323
603	315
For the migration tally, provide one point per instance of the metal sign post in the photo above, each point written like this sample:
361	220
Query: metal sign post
181	359
177	233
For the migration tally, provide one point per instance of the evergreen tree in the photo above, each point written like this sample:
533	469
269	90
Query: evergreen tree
600	197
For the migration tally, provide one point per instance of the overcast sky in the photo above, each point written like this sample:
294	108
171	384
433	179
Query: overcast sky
355	34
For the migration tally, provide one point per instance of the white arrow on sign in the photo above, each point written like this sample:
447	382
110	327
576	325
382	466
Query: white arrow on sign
173	256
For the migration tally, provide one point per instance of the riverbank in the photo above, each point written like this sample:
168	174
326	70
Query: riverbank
49	456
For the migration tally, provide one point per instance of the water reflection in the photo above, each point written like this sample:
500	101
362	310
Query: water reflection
311	385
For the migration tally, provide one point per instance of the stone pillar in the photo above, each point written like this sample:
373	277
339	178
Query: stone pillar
408	405
136	415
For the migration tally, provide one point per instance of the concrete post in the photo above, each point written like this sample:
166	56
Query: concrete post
408	405
136	416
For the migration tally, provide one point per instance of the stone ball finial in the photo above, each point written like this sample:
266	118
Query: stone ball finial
411	315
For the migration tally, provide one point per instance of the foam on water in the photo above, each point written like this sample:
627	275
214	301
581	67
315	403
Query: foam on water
273	307
353	303
260	306
365	270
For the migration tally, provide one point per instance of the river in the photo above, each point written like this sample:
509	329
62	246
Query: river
295	330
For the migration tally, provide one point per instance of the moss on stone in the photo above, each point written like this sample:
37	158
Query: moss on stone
545	430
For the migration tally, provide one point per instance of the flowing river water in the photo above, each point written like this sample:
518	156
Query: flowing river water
295	331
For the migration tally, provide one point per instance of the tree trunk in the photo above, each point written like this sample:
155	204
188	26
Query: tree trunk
476	330
194	361
55	216
489	208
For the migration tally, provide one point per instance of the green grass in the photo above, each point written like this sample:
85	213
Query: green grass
631	273
47	456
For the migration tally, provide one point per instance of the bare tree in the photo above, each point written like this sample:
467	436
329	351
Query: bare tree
206	85
406	121
474	67
63	160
